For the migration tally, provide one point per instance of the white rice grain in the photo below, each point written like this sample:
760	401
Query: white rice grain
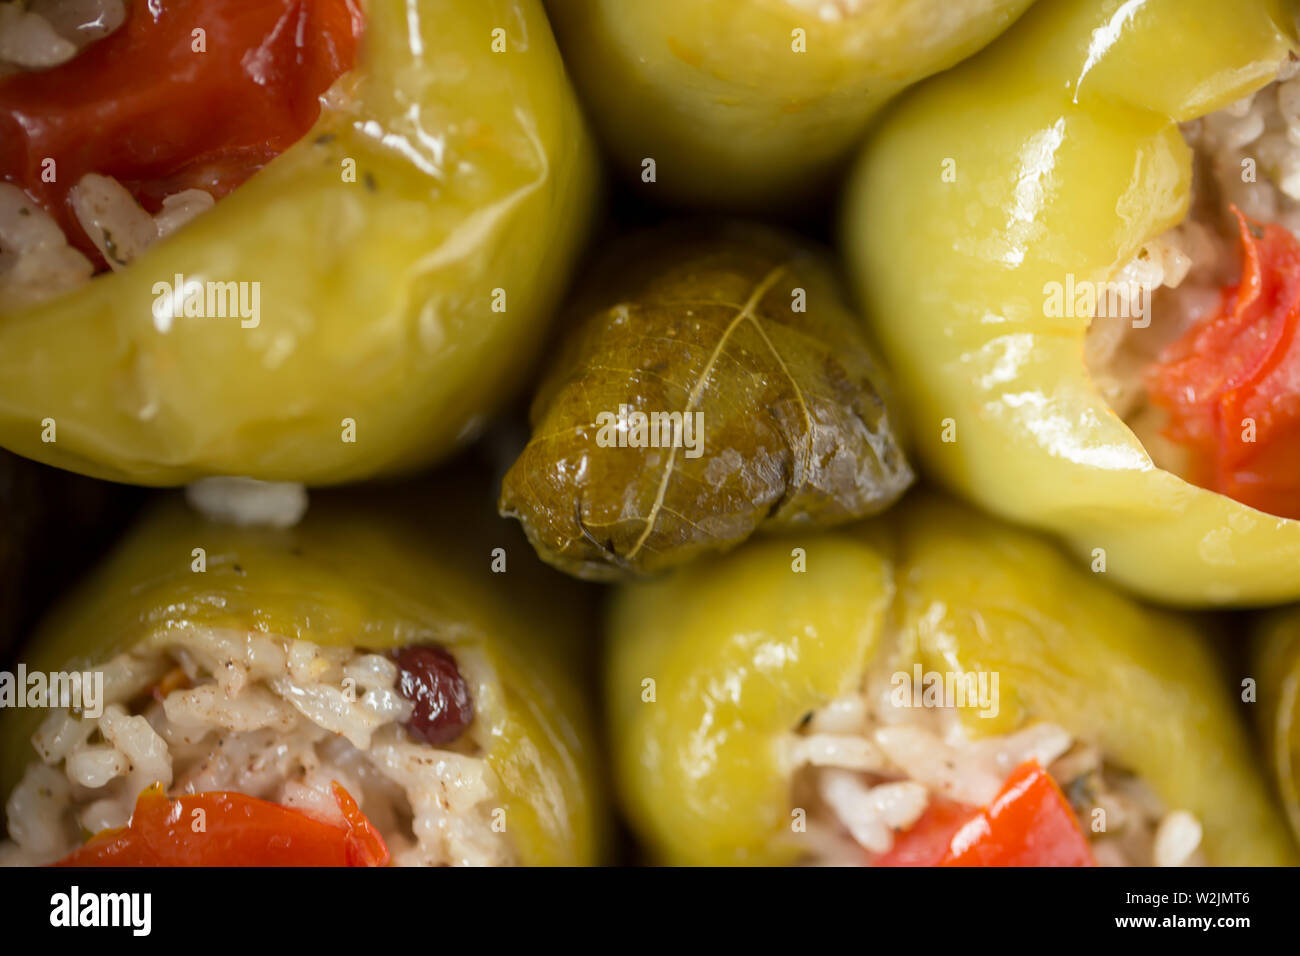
147	752
59	734
1177	838
36	262
329	707
118	225
36	813
181	208
844	715
447	793
206	706
957	774
29	41
81	22
872	813
95	766
835	750
246	501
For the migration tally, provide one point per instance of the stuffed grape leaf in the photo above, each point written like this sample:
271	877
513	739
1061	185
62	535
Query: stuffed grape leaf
715	383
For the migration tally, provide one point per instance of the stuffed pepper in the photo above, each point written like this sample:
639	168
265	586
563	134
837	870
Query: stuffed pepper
755	103
1277	670
300	240
715	384
1078	252
349	691
861	697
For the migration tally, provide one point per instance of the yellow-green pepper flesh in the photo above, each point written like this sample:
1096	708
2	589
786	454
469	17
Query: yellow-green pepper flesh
1277	667
357	575
741	648
755	103
1056	153
445	172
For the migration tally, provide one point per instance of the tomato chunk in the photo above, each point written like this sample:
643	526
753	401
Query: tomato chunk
1231	384
926	842
183	95
236	831
1029	823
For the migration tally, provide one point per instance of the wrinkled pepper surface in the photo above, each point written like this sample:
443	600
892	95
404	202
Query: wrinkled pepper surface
754	103
742	648
362	574
1056	154
406	255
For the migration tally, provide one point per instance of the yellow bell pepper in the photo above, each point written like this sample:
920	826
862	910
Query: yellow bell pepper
362	573
407	255
712	668
1056	154
755	102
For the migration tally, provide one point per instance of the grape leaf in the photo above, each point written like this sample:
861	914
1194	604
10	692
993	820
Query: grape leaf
763	407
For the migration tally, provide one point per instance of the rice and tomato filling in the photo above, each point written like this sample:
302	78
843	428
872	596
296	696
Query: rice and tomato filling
1211	386
203	712
884	785
121	121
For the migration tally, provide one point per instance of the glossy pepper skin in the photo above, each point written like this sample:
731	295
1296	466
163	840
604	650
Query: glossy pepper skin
715	93
1277	668
368	574
1056	153
743	647
473	173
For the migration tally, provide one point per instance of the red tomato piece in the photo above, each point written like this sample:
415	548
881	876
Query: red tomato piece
926	842
1231	384
1029	823
147	107
237	831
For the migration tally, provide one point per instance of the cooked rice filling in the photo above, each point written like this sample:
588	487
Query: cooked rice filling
865	770
36	261
37	264
42	34
280	720
1187	267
